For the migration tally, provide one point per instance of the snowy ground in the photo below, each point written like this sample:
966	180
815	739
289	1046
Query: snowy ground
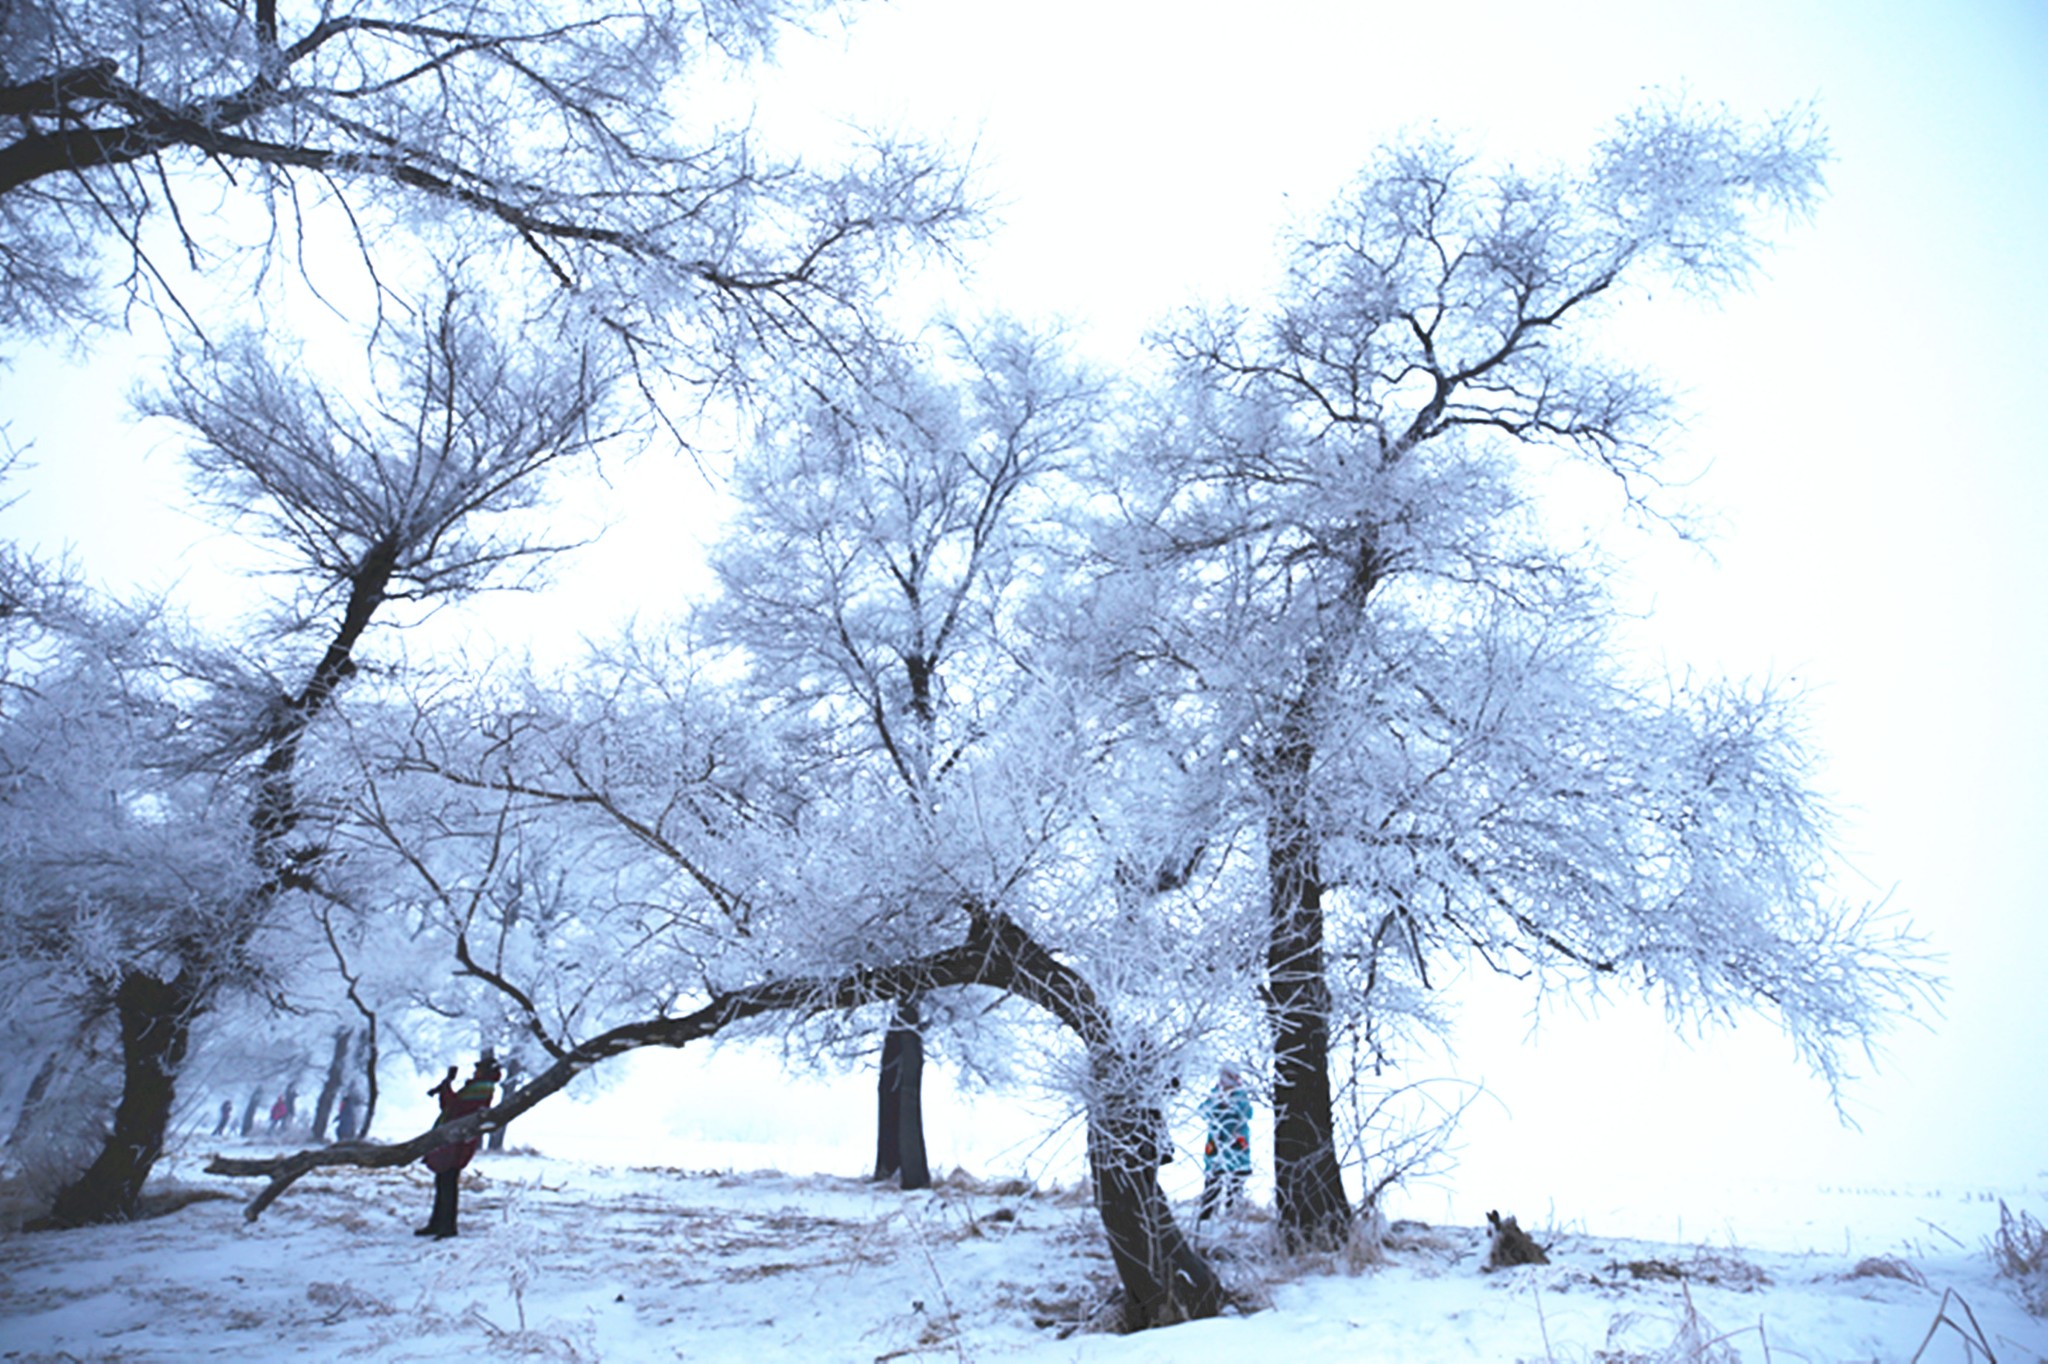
575	1261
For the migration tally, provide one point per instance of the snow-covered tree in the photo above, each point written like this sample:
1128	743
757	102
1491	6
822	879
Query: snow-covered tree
123	860
1438	748
889	792
887	537
412	497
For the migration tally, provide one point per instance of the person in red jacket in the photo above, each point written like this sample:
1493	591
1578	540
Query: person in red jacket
447	1161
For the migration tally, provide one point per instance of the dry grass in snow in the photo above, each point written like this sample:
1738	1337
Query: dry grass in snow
564	1261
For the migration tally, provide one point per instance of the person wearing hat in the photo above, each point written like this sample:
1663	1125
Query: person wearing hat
447	1161
1227	1154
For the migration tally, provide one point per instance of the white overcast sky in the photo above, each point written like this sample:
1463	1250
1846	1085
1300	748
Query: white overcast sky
1871	410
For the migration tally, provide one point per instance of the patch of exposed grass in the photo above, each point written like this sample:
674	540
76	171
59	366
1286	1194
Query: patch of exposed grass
1887	1267
1722	1270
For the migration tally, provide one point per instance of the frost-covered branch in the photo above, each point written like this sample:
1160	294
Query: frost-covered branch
545	132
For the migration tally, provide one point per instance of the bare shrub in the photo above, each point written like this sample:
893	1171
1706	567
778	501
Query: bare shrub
1366	1247
2019	1251
1697	1342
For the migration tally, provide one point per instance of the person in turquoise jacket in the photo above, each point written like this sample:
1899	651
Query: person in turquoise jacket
1227	1154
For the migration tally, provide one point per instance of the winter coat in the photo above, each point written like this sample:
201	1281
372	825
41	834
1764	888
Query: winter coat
473	1097
1228	1114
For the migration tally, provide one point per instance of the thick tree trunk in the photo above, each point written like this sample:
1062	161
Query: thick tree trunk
889	1102
899	1127
1165	1280
330	1088
1308	1181
916	1172
156	1025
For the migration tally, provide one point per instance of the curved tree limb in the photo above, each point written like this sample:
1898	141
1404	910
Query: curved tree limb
963	965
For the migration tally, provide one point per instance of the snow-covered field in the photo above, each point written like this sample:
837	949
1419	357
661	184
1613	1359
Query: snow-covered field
577	1261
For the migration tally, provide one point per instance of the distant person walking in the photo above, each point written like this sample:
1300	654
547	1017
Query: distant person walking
345	1119
1227	1154
279	1111
447	1161
227	1115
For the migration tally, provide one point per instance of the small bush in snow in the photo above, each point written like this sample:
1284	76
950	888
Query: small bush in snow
1510	1245
2020	1251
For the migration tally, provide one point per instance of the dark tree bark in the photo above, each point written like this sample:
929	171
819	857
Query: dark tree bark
888	1134
1308	1181
916	1172
1165	1281
156	1027
330	1088
899	1134
249	1113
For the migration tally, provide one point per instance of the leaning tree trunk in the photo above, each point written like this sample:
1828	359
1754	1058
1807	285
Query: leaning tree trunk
1308	1181
156	1026
899	1128
1165	1280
